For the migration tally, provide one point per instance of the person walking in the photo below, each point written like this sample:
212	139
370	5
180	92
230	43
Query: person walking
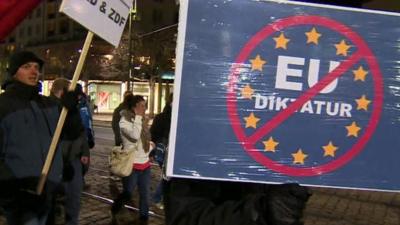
116	117
160	137
76	155
27	124
136	136
86	115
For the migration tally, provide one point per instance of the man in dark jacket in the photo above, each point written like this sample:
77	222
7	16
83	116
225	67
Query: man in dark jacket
161	124
76	154
160	137
198	202
117	117
27	124
86	115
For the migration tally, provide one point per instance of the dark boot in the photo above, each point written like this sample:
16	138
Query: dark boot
119	202
143	220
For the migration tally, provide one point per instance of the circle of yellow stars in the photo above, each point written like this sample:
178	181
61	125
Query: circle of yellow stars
353	129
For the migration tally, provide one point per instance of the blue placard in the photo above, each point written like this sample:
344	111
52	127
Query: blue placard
278	92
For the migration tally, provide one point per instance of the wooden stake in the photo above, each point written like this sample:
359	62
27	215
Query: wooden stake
61	120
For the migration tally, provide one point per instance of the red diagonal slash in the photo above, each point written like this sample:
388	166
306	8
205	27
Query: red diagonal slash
310	93
363	52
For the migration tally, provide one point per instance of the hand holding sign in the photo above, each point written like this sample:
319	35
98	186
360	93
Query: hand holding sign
86	13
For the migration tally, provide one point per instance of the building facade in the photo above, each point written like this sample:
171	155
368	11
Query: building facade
107	71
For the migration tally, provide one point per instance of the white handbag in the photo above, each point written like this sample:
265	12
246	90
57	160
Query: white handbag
121	161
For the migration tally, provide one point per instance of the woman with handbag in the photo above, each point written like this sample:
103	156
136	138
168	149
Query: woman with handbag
135	137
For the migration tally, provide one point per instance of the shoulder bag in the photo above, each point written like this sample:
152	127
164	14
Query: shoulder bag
121	161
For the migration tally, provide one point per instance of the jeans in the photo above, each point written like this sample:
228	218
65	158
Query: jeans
16	217
141	179
73	192
158	194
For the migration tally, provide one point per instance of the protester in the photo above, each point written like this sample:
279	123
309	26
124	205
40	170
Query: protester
91	104
117	116
196	202
86	115
160	136
136	136
27	124
75	151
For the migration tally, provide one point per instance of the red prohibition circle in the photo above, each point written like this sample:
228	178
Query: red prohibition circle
363	52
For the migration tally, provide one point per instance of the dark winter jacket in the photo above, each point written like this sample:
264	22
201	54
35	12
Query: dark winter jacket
161	125
74	141
205	202
87	120
27	124
116	117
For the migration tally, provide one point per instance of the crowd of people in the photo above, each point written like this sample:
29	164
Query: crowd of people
24	113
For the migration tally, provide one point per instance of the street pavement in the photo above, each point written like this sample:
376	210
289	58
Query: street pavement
325	207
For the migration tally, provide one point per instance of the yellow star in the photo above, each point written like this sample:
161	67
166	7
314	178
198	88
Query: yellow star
299	157
353	129
270	145
360	74
362	103
257	63
313	36
330	149
247	92
341	48
281	41
251	121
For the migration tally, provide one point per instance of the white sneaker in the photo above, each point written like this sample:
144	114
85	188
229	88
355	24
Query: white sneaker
115	178
160	205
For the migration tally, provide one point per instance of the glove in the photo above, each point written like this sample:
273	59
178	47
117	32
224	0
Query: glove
24	196
91	144
285	203
28	184
85	166
8	189
90	140
30	199
70	100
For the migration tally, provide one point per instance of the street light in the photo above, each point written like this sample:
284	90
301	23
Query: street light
132	14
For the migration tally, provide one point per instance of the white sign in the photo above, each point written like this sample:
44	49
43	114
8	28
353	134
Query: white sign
106	18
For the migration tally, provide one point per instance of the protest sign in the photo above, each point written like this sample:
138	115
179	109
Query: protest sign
276	92
106	18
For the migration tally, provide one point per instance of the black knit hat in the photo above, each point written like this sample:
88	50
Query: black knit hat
20	58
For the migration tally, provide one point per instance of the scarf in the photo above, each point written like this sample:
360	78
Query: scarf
145	133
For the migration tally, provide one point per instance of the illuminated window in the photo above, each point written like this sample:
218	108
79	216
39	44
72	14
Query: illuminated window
64	26
51	29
